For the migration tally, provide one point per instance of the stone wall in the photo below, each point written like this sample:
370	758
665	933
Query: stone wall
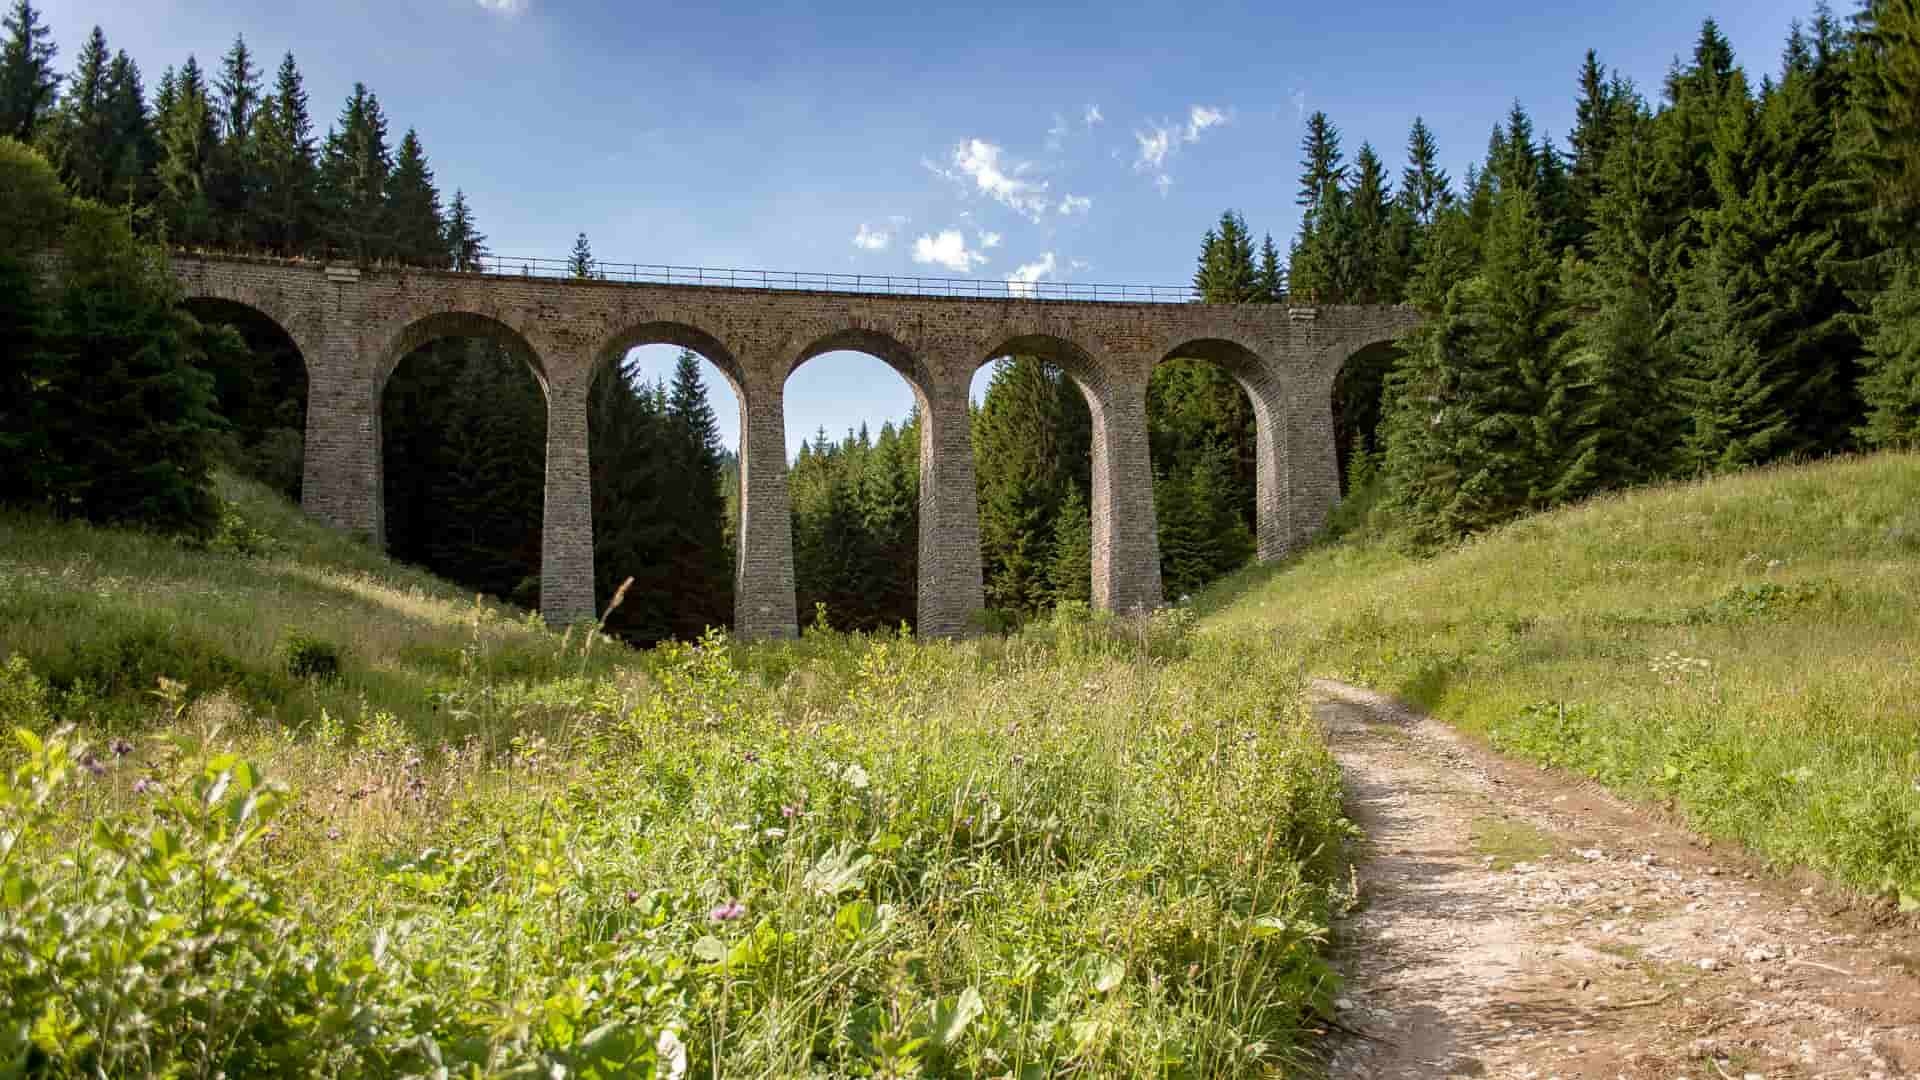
353	327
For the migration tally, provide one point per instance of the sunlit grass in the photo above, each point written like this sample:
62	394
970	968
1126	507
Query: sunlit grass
1746	650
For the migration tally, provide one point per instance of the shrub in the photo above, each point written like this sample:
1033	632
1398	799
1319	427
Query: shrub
310	657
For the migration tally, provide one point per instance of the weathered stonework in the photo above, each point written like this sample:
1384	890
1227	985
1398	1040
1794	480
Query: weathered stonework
354	329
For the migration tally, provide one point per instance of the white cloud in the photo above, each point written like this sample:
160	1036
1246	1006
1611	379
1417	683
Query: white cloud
1071	204
1077	265
506	7
1093	115
1021	281
1202	117
990	239
871	239
1153	148
979	161
1160	142
1298	95
949	249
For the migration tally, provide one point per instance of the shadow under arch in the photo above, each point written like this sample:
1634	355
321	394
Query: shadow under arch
262	395
461	418
1357	406
1226	381
442	325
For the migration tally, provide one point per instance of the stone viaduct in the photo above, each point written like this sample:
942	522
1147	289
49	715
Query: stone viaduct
354	326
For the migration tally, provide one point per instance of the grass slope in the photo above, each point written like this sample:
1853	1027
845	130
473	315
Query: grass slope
1744	650
486	849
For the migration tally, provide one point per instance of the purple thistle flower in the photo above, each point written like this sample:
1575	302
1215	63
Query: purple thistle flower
751	757
144	785
632	896
727	912
93	765
789	812
120	747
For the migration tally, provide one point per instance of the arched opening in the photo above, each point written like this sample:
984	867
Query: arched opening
1032	429
463	426
854	411
663	426
1204	434
1358	398
260	379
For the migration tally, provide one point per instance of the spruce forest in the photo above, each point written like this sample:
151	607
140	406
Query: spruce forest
1708	275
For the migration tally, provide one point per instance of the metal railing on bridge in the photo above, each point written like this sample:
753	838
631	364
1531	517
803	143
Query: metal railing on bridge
891	285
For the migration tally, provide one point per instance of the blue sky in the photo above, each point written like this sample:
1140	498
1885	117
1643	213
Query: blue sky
1068	142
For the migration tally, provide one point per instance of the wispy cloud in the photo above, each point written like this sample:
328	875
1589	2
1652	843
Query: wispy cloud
868	239
948	249
1093	115
1057	134
1021	281
1160	141
1071	204
979	164
506	7
1202	117
1298	95
990	239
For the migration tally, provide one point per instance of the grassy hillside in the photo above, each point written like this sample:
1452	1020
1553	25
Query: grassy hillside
483	848
1746	651
102	614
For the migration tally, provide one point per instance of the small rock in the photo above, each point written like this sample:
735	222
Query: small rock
1342	1004
1707	963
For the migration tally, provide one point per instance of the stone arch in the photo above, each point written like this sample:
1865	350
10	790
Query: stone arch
427	329
265	403
1244	365
937	602
679	334
404	338
876	343
1126	554
269	306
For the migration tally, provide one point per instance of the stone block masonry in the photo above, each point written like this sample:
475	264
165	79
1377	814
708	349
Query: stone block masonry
353	329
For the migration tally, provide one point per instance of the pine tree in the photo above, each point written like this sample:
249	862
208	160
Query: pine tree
1315	270
1424	185
418	228
1270	281
125	410
1032	439
703	585
287	204
188	140
135	153
1071	574
1321	165
580	262
1593	129
466	246
1227	274
1884	123
234	179
355	167
1373	268
29	87
1891	386
81	134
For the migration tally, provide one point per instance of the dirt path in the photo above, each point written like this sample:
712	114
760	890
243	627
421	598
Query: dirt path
1514	923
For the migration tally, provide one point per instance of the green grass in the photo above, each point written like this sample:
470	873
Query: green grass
1090	849
1745	651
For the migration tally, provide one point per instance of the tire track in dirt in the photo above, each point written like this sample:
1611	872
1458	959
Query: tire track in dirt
1513	922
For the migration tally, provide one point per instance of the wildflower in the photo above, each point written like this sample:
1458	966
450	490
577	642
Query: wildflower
750	757
93	765
333	834
120	747
633	896
789	812
143	785
727	912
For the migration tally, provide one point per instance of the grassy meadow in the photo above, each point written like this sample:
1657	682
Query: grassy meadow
465	845
1744	651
